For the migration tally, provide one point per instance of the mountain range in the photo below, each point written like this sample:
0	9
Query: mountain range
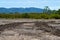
21	10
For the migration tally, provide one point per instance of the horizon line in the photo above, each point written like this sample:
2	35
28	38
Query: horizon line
26	7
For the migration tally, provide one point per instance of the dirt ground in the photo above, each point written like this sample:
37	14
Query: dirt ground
29	29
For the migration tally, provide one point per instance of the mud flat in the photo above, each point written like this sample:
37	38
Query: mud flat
29	29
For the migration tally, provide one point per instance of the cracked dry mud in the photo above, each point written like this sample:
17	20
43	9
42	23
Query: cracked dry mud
35	30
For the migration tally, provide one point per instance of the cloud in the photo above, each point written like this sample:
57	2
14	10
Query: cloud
30	3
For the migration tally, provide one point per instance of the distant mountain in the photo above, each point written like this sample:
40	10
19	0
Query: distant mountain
21	10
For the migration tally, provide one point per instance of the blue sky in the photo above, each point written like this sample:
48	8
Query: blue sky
53	4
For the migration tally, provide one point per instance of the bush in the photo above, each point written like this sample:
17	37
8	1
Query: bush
55	16
31	15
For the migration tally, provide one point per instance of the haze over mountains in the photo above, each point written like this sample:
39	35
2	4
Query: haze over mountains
21	10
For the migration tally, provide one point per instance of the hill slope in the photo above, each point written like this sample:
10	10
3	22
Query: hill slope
21	10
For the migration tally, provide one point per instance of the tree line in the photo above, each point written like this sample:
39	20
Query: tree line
50	14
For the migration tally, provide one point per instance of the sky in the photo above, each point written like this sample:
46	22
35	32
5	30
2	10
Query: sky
53	4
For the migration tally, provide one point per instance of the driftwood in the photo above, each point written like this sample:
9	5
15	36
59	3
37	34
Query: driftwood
45	27
38	25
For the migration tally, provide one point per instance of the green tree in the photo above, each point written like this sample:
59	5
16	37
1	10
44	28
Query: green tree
25	15
58	11
47	10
